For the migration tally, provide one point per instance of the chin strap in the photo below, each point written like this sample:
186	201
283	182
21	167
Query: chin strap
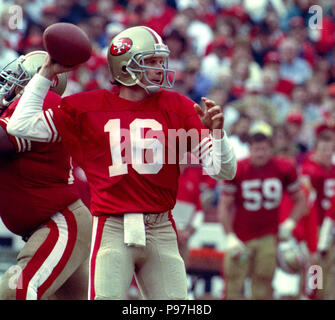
151	89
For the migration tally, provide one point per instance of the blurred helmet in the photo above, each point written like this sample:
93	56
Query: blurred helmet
292	256
15	76
126	58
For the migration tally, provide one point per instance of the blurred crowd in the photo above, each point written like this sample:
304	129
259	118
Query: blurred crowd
261	60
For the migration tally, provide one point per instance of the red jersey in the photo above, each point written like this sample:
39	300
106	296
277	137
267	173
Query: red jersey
306	229
124	147
258	193
322	181
36	182
189	186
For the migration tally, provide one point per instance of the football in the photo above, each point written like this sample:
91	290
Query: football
67	44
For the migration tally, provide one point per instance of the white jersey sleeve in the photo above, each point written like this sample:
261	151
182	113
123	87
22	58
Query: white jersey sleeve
217	157
29	121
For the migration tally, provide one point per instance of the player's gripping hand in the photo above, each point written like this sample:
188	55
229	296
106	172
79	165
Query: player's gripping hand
285	229
211	117
234	246
50	68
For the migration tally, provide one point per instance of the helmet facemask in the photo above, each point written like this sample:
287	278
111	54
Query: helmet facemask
13	78
137	68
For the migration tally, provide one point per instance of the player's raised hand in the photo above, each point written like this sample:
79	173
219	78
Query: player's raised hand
50	68
211	116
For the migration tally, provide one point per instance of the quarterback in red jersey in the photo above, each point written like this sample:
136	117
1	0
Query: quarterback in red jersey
249	212
126	144
40	202
319	174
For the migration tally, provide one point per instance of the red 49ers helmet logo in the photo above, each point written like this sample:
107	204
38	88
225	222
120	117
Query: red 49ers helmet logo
121	46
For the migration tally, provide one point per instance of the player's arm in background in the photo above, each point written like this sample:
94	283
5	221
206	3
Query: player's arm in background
226	213
9	144
299	209
29	120
300	206
326	232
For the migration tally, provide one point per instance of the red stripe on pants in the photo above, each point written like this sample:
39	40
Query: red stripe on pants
37	260
72	237
96	244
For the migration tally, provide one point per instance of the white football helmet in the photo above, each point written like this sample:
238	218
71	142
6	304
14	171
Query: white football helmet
15	76
126	58
292	256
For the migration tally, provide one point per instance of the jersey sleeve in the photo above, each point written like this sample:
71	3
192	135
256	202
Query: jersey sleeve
312	180
230	187
21	144
63	122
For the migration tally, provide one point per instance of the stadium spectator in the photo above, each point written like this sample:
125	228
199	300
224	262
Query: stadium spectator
7	55
178	46
300	34
240	136
314	109
282	143
197	84
292	67
158	15
277	100
298	134
216	61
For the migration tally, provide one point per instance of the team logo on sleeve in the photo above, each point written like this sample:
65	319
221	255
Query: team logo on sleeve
121	46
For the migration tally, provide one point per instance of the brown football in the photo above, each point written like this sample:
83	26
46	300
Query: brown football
67	44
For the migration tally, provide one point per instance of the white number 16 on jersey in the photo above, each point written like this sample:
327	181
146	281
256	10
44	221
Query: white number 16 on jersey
137	146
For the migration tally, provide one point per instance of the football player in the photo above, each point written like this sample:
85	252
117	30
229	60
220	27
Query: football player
249	211
319	173
39	201
124	142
